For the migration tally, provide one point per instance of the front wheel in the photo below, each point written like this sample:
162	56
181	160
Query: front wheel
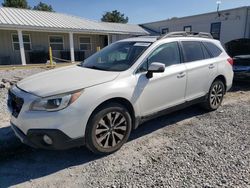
215	96
108	129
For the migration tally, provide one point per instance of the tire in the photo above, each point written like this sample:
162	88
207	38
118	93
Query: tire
108	129
215	96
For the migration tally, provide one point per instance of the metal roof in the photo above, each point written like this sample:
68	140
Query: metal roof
51	21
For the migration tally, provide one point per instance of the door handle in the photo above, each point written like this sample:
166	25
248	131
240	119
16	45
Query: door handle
211	66
181	75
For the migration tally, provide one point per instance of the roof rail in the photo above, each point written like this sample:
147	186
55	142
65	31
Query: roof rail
187	34
147	36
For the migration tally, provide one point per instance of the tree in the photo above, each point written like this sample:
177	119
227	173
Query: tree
16	4
43	7
173	18
114	16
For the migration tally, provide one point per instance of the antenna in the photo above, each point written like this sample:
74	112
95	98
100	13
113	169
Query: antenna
218	8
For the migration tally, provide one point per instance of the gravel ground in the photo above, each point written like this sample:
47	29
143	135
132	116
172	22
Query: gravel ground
12	75
189	148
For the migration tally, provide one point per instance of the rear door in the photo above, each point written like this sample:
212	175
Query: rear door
201	68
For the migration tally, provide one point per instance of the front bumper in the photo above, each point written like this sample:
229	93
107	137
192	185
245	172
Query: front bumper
34	138
69	122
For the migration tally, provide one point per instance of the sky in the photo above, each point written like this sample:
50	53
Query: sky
139	11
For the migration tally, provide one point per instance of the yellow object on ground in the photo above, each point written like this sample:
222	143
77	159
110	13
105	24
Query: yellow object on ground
31	66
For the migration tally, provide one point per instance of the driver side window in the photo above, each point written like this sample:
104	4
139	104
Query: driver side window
167	54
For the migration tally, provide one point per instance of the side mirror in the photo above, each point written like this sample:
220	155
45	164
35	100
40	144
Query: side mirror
155	68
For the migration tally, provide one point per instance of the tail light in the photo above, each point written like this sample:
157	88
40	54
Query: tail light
231	61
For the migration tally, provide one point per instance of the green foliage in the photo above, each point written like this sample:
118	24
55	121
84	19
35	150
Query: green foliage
43	7
16	4
24	4
114	16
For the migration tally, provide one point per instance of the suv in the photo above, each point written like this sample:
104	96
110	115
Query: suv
98	102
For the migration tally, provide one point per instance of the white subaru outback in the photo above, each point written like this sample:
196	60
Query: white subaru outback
98	102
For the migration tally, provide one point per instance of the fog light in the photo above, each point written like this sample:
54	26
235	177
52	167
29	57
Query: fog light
47	140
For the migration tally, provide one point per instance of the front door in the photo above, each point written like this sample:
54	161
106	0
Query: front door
165	89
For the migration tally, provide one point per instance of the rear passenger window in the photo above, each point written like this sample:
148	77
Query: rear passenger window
192	51
207	55
213	49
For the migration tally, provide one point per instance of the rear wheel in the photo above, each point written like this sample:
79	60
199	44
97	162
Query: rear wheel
108	129
215	96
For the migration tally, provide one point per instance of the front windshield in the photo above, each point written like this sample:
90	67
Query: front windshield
117	57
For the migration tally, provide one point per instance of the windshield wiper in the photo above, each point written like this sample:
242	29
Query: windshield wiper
94	67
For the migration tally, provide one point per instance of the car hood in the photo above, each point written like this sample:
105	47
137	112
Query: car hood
63	80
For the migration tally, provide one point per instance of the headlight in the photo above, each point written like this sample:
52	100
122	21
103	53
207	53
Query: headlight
55	103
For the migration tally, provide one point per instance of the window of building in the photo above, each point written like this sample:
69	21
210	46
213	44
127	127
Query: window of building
187	28
215	30
56	42
213	49
164	31
192	51
26	42
85	43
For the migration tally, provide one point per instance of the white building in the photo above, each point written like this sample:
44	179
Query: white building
26	35
224	25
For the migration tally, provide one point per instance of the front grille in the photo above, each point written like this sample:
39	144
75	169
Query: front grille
15	104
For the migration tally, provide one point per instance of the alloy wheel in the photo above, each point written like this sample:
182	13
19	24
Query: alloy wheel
216	95
111	129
